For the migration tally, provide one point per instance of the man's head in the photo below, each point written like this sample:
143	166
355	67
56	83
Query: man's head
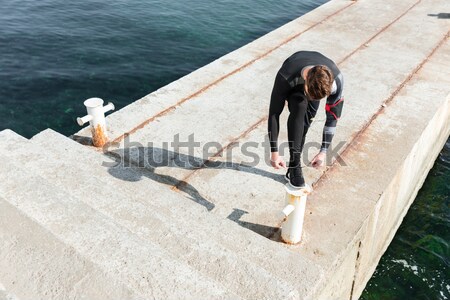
319	82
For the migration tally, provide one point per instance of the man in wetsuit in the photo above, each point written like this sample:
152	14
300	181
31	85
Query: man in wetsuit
303	80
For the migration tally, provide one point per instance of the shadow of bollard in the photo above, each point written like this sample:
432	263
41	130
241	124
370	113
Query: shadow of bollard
265	231
440	15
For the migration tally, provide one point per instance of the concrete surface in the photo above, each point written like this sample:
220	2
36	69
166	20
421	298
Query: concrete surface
209	250
37	265
113	248
6	295
162	228
143	218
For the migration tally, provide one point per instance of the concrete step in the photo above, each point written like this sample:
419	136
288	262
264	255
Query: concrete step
201	232
139	215
34	264
145	268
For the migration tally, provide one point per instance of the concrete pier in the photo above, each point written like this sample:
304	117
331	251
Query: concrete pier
76	223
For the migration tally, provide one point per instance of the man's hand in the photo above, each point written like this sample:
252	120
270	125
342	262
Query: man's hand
319	160
276	161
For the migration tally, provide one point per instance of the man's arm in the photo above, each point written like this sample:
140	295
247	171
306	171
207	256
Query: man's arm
279	94
333	110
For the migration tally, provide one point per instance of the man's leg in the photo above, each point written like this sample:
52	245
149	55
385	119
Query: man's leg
297	104
311	111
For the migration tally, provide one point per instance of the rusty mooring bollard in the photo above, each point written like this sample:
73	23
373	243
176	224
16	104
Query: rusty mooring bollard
96	117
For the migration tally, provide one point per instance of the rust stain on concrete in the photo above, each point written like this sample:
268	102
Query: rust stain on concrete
363	45
183	182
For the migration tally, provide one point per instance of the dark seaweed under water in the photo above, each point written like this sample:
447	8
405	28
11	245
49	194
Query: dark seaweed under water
54	54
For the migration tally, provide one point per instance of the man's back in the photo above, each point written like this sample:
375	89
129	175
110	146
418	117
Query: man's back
292	67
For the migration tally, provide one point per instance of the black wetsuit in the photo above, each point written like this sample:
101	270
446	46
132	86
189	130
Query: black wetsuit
289	85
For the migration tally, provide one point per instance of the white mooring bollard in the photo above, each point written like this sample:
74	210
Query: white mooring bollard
294	212
96	117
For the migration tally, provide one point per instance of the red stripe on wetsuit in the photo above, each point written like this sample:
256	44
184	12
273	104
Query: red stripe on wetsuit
328	107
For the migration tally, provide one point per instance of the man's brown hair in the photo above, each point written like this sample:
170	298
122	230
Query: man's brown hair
320	82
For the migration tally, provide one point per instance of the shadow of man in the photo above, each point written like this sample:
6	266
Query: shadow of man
132	163
440	15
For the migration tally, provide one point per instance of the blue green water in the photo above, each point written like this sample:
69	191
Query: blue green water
54	54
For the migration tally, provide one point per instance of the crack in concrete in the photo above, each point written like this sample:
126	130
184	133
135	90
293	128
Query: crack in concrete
357	261
379	32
